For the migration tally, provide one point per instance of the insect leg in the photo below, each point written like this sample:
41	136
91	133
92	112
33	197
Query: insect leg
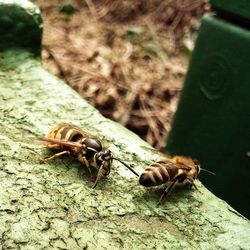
193	184
166	192
55	156
99	175
86	164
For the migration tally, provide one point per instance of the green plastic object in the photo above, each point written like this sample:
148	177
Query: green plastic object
212	122
233	8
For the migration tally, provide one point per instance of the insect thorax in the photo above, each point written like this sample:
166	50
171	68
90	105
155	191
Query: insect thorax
92	146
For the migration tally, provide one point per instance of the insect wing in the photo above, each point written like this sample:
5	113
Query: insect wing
60	142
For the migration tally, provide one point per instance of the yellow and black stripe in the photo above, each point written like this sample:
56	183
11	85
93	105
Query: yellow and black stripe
66	133
158	173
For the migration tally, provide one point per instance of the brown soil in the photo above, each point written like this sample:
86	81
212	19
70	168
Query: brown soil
127	58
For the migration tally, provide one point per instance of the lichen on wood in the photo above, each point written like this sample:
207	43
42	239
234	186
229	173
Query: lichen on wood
53	205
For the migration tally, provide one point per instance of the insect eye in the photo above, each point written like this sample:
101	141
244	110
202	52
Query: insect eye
98	158
99	162
196	162
197	165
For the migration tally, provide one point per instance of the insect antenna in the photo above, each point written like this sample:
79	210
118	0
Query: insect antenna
126	165
99	175
208	171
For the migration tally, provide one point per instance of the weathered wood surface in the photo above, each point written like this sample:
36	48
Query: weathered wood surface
45	206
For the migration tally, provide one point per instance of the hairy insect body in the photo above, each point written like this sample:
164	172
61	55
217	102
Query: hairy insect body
179	169
158	173
89	148
71	140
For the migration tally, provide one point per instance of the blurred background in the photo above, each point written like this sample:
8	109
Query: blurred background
128	58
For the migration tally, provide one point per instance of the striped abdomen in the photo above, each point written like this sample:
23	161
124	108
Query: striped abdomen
66	133
158	173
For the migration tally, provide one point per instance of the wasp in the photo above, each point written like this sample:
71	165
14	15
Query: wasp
71	140
176	170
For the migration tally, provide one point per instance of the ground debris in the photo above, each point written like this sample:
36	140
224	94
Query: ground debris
125	57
